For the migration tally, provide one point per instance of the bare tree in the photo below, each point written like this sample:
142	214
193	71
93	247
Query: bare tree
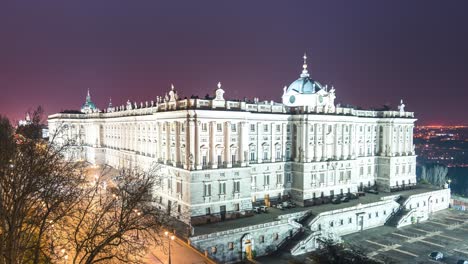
114	221
50	210
37	188
434	174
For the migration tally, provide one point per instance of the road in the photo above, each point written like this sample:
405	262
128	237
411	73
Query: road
181	253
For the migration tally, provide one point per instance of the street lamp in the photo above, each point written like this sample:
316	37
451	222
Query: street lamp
172	237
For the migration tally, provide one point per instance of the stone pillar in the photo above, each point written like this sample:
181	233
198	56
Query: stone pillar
304	143
243	143
168	142
191	143
351	142
227	144
324	145
283	141
259	145
272	141
316	156
198	159
177	143
213	160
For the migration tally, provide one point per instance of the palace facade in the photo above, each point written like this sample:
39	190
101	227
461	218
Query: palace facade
221	155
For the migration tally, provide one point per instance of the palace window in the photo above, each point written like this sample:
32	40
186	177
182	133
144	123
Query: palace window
265	128
288	177
207	190
266	179
179	187
279	178
233	127
204	127
219	127
236	186
278	128
222	188
169	183
252	127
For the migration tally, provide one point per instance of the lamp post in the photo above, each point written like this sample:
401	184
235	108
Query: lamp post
172	237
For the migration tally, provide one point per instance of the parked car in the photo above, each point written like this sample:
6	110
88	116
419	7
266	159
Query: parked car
462	261
264	209
351	196
344	199
257	209
336	200
436	255
372	191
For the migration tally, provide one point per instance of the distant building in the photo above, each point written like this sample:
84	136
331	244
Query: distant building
26	121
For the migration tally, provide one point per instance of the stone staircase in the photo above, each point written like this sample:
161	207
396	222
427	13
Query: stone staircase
299	236
296	239
395	218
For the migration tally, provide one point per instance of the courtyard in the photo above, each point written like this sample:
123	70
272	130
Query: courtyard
446	232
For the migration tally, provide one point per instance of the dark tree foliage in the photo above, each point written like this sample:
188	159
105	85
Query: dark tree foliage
32	130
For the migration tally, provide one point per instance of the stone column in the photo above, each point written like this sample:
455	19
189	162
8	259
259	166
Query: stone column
177	143
283	141
191	144
213	160
305	142
272	141
227	144
197	153
335	142
244	143
316	156
259	145
351	142
168	142
324	145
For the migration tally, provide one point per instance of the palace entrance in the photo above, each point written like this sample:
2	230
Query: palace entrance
247	244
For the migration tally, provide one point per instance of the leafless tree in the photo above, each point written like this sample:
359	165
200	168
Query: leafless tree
37	188
115	221
434	174
50	209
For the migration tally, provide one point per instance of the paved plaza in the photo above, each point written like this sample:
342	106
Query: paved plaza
446	231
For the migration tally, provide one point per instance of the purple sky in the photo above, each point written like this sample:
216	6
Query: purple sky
373	52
